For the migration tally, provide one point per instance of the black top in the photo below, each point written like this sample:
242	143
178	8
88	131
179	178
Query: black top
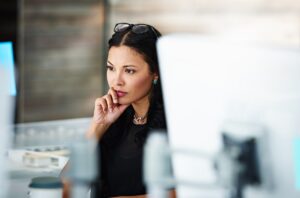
123	165
121	154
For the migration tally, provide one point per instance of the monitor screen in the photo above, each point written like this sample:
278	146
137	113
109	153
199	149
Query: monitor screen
211	86
7	98
7	65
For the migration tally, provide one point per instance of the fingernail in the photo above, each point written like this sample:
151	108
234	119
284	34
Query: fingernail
110	109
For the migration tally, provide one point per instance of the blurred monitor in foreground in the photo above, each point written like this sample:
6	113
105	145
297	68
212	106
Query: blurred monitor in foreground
215	89
7	65
7	93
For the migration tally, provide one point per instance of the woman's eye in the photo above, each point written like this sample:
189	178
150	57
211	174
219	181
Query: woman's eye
130	71
108	67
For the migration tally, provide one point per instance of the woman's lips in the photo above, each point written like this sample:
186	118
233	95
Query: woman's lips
121	93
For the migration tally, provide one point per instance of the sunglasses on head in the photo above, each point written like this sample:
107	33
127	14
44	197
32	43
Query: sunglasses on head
135	28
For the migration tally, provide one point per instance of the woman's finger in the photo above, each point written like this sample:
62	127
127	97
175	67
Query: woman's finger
103	104
109	102
98	112
114	95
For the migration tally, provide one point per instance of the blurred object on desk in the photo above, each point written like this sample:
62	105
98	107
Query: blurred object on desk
50	133
56	159
41	149
43	146
83	169
46	187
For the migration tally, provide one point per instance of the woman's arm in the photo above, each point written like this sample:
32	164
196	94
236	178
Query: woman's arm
96	130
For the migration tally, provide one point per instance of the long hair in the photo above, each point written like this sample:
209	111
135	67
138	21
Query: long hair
145	45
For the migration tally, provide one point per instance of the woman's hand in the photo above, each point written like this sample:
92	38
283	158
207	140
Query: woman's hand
106	111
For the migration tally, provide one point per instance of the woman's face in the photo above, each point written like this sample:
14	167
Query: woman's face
129	75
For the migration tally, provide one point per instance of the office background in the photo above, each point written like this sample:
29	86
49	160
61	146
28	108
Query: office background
60	45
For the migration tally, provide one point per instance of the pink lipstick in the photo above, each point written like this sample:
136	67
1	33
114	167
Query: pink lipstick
121	93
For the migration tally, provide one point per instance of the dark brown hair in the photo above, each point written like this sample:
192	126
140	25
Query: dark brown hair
144	44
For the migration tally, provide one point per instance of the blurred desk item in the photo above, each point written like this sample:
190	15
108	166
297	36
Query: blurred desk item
41	149
20	176
46	187
53	159
47	133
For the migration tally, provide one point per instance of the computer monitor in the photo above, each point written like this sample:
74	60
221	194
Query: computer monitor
7	65
211	86
7	96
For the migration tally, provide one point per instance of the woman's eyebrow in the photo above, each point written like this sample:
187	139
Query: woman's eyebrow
110	63
123	66
129	66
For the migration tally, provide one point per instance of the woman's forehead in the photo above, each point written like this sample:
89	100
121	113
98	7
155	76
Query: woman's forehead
124	55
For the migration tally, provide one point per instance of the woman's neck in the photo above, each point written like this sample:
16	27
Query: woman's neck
141	107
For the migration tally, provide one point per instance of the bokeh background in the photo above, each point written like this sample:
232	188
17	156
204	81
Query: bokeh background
61	45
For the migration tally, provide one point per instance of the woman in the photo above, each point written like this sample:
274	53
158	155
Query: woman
132	107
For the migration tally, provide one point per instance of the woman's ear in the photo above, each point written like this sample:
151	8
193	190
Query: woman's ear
155	79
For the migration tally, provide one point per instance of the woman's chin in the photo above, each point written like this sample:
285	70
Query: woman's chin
124	102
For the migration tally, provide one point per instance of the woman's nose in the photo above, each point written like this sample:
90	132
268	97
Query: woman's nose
119	79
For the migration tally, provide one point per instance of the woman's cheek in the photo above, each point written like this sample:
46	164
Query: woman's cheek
143	85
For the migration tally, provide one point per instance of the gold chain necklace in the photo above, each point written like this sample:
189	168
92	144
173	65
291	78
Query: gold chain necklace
139	120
